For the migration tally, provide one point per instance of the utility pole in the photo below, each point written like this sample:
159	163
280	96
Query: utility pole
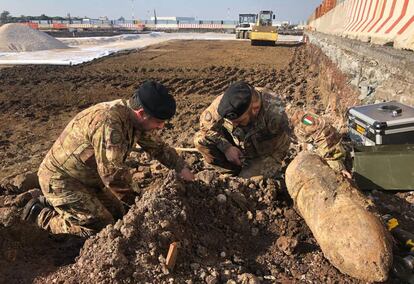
132	2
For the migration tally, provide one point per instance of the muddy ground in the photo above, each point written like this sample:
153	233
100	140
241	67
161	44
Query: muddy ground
254	235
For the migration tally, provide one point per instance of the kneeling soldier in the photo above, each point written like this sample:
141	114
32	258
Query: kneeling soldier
244	131
84	176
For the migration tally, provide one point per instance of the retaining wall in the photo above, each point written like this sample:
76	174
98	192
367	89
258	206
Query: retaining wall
380	73
384	22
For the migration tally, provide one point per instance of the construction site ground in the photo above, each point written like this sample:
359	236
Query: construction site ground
254	235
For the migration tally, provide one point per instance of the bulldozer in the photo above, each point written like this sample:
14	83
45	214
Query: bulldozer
264	33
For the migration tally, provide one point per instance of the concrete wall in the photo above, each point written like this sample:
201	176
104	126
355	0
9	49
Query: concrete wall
380	73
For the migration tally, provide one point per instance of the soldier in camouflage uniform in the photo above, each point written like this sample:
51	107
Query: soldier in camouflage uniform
317	134
244	131
84	176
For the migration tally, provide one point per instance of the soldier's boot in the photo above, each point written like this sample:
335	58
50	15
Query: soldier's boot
33	208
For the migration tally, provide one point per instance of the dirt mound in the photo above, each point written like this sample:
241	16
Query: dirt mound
230	229
18	38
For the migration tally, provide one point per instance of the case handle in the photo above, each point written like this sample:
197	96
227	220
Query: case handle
393	109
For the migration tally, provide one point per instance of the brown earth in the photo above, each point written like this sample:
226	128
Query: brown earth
254	234
37	101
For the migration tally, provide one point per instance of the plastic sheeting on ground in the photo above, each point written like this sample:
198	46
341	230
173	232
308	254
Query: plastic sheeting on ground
89	48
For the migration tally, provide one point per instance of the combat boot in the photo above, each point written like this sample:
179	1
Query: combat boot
33	208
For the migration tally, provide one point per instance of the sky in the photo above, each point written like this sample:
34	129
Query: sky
286	10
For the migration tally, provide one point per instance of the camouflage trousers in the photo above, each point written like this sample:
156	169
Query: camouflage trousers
76	209
253	164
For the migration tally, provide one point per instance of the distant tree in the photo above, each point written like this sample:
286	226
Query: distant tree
44	17
121	19
4	17
22	18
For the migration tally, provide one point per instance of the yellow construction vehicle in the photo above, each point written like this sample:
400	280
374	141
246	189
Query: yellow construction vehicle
244	27
264	32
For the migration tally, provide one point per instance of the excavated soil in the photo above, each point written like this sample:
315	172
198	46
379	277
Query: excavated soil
228	230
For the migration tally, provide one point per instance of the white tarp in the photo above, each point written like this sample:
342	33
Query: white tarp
87	49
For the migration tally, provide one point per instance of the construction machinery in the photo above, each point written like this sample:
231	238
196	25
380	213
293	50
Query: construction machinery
263	32
244	28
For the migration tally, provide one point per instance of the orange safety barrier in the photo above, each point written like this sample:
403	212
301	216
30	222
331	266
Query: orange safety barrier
377	21
130	26
324	8
59	26
353	10
34	26
200	26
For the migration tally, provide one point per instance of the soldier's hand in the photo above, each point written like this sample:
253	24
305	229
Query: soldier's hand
233	155
186	174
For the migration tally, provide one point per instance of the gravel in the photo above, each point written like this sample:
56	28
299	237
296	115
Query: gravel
19	38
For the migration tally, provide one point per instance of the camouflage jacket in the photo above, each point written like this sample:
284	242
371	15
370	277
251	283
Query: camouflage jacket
95	144
322	138
271	123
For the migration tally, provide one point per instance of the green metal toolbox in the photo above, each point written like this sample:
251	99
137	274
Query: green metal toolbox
384	167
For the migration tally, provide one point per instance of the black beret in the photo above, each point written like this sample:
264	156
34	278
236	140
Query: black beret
235	101
155	100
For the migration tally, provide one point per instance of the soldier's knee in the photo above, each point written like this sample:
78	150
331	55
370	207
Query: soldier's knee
44	179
